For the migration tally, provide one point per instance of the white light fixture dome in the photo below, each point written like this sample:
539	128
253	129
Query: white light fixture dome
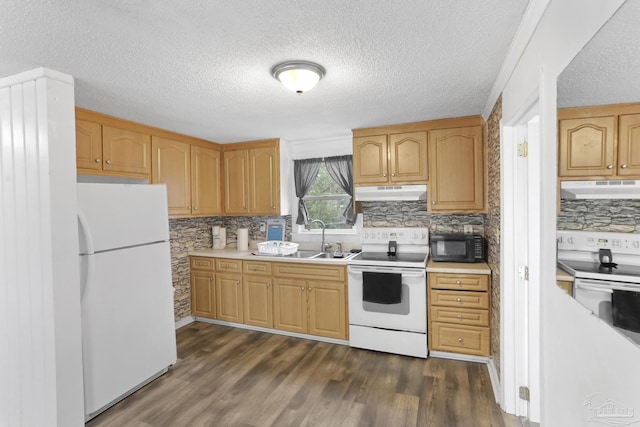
298	76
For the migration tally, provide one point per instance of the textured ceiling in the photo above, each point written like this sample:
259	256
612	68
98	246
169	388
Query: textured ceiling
607	70
202	68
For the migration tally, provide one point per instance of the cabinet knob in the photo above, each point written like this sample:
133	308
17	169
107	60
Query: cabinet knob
273	207
393	174
237	282
189	207
609	166
309	289
457	282
108	162
460	340
623	166
434	202
268	284
459	299
459	316
384	175
97	160
302	288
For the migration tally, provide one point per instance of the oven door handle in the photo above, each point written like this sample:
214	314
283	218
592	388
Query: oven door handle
404	272
594	287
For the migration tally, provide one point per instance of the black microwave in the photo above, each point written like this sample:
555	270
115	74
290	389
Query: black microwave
458	247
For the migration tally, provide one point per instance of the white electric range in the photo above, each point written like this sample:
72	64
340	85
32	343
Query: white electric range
387	284
606	270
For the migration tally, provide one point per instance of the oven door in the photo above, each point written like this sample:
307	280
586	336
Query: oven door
409	314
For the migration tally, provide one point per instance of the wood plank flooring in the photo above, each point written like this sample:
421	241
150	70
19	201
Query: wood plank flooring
235	377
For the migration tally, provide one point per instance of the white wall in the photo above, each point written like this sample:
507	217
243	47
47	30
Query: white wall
40	348
579	356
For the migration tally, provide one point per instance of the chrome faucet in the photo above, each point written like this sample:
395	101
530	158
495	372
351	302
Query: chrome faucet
323	246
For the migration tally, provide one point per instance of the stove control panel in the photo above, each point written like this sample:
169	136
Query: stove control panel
411	236
624	243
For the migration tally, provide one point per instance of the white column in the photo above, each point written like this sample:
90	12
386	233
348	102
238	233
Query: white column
40	337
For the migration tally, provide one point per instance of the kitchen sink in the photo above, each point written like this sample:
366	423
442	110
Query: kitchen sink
304	254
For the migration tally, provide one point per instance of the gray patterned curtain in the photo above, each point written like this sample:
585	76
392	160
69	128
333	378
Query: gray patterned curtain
305	172
341	170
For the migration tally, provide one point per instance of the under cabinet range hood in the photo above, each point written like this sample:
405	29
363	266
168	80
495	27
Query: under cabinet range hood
391	193
611	189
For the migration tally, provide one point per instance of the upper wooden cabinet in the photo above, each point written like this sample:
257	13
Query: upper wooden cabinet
252	183
111	150
601	142
192	176
390	158
456	159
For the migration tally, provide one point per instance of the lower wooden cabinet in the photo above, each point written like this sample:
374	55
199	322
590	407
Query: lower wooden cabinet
458	313
566	286
295	297
203	287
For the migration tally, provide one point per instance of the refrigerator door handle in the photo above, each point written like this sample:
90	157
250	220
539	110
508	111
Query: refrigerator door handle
89	258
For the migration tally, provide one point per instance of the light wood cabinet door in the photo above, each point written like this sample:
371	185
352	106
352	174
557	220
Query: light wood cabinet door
126	151
370	159
236	182
203	294
264	181
88	145
408	157
629	145
258	301
587	146
171	165
229	301
327	309
206	194
456	158
290	305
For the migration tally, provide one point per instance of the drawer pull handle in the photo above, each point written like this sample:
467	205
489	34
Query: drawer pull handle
457	282
459	299
460	340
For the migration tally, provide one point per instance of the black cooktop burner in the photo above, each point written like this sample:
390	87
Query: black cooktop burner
604	268
383	256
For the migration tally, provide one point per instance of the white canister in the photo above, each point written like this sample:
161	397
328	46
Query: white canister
243	239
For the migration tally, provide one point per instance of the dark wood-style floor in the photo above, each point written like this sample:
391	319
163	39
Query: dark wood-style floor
235	377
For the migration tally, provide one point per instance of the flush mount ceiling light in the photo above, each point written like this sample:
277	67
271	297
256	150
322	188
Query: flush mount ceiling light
298	76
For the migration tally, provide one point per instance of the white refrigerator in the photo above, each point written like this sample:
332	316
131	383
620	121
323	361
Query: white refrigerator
128	329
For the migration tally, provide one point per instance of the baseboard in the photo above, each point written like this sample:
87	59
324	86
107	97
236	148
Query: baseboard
272	331
491	367
185	321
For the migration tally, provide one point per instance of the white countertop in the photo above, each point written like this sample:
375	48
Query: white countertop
457	267
247	255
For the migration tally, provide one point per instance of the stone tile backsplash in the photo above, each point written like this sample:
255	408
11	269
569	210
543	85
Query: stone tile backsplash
614	215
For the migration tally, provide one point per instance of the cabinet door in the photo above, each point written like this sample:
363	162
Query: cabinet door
290	305
171	165
327	309
456	158
370	159
258	301
629	145
203	294
236	181
126	151
587	146
229	297
264	181
88	145
408	157
206	192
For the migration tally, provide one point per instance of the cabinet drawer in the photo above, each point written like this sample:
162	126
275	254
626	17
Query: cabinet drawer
462	316
308	271
229	265
460	339
459	298
464	282
256	267
202	263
